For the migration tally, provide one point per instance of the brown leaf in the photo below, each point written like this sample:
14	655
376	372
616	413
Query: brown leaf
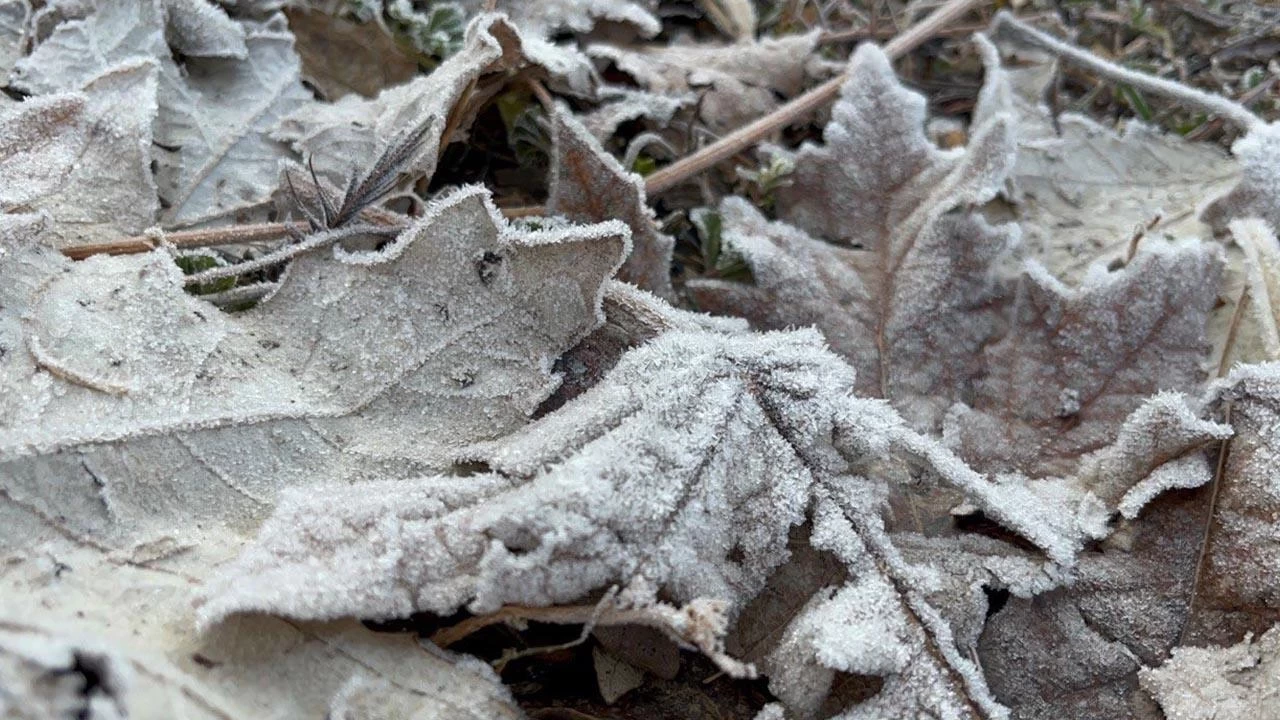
590	185
1237	587
904	289
1076	362
341	57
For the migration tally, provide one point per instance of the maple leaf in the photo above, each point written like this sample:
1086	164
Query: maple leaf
685	468
1075	363
590	185
148	431
905	289
93	172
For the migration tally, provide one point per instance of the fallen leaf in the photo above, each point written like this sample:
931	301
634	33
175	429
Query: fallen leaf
905	291
724	439
151	431
341	57
1255	193
1075	363
1208	683
222	159
544	18
14	15
94	175
735	83
339	136
590	185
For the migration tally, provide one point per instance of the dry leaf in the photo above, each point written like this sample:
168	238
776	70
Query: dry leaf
906	290
1255	194
685	468
1208	683
1237	589
735	83
544	18
339	136
590	185
93	177
134	460
341	57
1075	363
14	15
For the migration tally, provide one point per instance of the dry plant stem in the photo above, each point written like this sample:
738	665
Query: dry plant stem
1206	102
1223	451
751	134
316	241
230	235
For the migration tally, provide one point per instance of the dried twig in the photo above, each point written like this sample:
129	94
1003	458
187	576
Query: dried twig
751	134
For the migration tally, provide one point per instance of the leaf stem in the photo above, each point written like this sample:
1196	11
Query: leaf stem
820	96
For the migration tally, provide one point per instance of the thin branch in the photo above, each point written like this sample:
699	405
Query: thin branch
1210	103
799	107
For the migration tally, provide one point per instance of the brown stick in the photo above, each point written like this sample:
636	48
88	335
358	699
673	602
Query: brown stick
751	134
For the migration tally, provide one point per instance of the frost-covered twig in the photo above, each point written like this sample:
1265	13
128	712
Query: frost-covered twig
1013	28
316	241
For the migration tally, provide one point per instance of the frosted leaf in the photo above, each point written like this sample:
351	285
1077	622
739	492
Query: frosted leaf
1241	681
910	317
113	31
735	83
1255	195
590	185
1237	588
619	105
80	48
686	451
144	432
633	317
197	28
1075	362
877	183
880	624
222	158
338	136
51	123
1075	652
93	172
545	18
13	33
1082	190
685	469
474	692
473	340
1154	451
1262	275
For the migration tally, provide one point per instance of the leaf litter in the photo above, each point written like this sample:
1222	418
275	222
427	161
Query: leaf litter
953	449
